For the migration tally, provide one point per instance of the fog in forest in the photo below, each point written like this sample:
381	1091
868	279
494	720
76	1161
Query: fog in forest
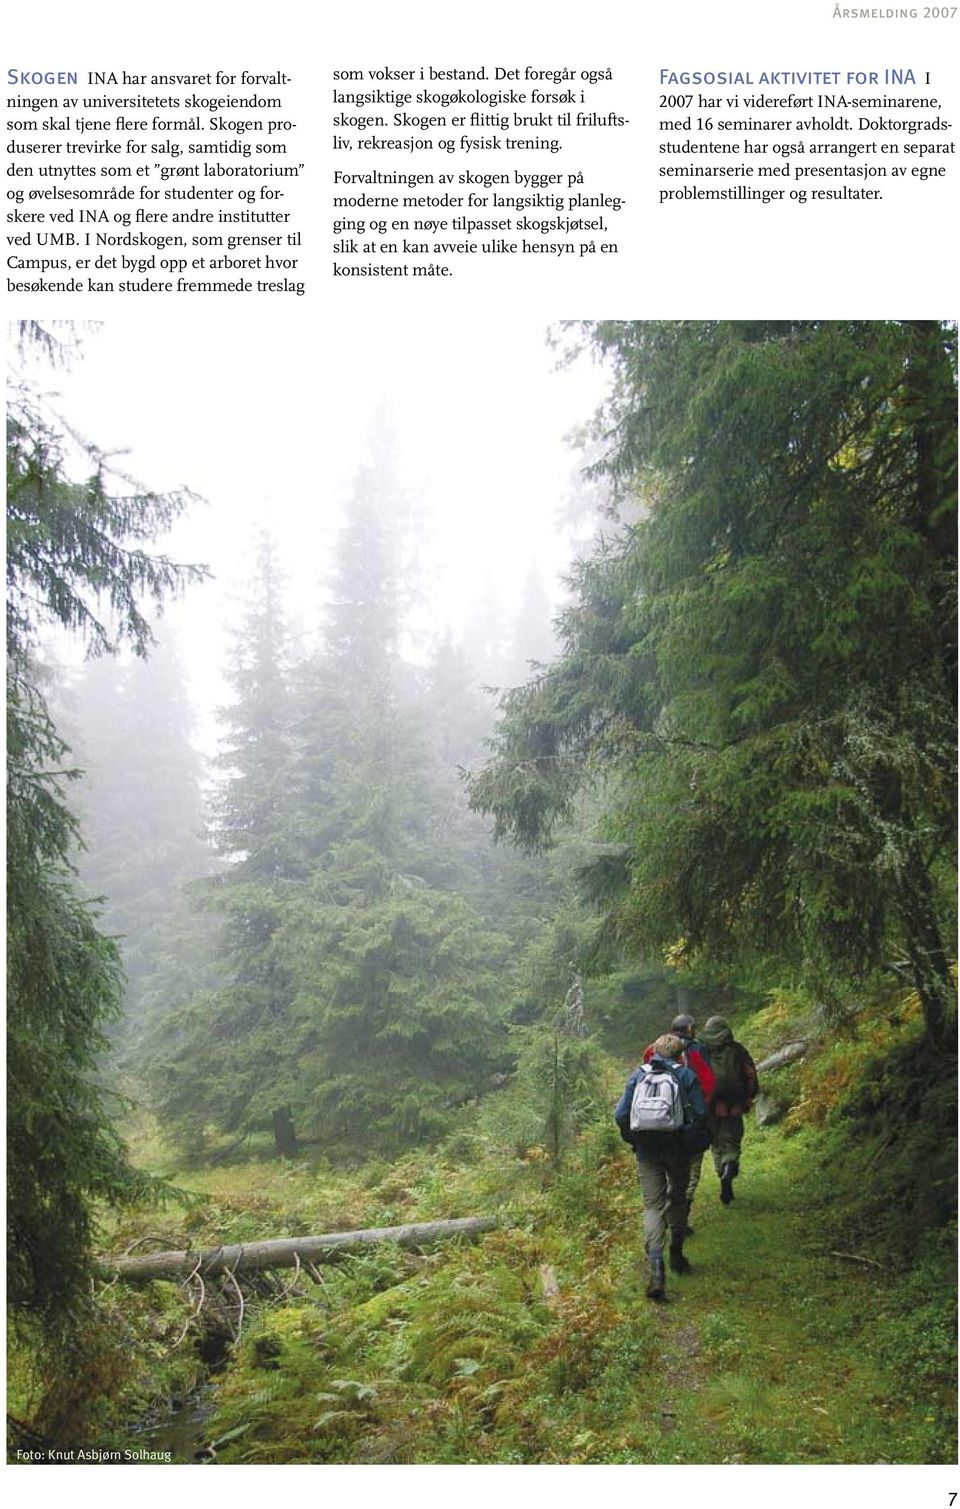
270	436
385	530
514	712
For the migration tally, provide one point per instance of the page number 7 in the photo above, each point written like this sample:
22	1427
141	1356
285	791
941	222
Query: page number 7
953	1499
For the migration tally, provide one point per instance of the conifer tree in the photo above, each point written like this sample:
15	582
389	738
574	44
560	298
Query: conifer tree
762	670
396	1020
77	558
223	1058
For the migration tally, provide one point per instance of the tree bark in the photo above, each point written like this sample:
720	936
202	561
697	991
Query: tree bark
931	411
282	1252
928	957
284	1135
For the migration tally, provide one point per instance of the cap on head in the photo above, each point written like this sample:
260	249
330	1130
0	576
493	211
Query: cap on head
715	1032
683	1025
669	1045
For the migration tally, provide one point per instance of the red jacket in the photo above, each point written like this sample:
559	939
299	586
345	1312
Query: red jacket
695	1061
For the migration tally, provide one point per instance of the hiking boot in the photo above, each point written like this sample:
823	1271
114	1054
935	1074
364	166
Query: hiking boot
727	1175
678	1263
657	1287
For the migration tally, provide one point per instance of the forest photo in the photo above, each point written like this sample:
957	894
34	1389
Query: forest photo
393	759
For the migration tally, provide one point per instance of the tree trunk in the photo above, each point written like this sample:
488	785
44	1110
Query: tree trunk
928	957
931	976
785	1055
931	410
284	1134
931	403
283	1252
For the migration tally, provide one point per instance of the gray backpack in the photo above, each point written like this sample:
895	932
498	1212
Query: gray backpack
657	1104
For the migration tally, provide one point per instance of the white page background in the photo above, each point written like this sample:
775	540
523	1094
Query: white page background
317	359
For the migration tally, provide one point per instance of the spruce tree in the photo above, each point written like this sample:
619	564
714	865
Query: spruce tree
397	1009
762	669
76	553
223	1059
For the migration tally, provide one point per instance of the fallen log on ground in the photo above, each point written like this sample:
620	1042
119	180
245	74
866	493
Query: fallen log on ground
783	1056
281	1252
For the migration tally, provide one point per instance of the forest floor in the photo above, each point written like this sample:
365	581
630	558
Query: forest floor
779	1346
817	1326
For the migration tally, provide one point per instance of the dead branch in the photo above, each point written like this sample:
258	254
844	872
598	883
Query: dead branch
854	1257
195	1312
230	1275
142	1241
287	1290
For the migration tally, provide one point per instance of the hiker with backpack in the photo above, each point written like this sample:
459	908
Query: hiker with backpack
694	1057
735	1089
662	1114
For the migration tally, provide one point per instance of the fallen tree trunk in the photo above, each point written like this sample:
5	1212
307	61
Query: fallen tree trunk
783	1056
282	1252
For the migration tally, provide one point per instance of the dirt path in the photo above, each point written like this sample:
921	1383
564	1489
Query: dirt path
679	1356
771	1350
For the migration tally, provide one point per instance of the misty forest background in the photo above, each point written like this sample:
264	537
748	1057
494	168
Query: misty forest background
301	988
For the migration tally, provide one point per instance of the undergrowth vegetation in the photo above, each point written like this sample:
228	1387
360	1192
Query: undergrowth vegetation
817	1324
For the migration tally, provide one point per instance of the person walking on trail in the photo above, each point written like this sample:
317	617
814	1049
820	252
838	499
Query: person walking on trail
694	1057
735	1089
662	1114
